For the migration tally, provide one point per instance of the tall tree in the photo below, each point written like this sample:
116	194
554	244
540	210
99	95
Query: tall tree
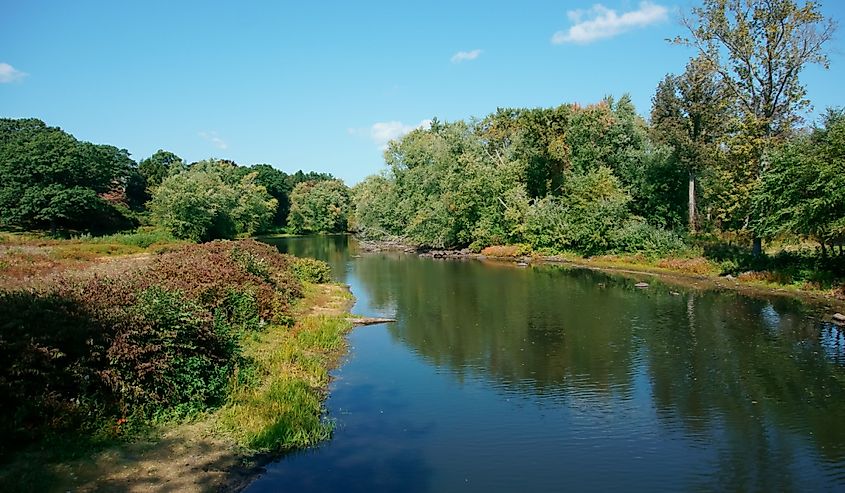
689	112
319	207
804	188
278	186
759	48
157	167
210	200
48	178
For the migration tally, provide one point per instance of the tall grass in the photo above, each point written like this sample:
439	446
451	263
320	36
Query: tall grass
281	408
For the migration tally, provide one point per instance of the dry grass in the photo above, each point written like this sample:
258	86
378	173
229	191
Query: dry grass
696	265
29	259
506	251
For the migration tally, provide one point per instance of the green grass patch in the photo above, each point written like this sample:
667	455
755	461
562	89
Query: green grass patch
279	405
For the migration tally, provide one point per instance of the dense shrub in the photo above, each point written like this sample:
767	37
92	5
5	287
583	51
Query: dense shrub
319	207
142	238
593	207
637	236
164	339
207	273
506	250
211	200
312	270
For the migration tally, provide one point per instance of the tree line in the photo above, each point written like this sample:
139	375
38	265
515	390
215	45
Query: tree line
51	180
724	151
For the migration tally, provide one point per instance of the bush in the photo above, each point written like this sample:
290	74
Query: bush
312	270
163	340
517	250
637	236
211	200
592	207
169	353
207	273
142	238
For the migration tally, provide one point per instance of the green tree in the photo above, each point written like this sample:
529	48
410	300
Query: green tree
277	185
803	191
212	199
689	113
759	48
319	207
48	178
584	218
159	166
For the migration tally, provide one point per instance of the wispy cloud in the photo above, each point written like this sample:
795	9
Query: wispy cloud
383	132
465	56
215	139
600	22
9	73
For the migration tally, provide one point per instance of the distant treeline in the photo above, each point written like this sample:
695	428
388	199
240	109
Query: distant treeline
51	180
724	151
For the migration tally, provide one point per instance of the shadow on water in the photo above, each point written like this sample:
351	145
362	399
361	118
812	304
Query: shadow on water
744	393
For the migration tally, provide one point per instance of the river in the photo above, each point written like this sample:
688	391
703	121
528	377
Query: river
496	377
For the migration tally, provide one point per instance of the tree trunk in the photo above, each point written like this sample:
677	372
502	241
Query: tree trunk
757	246
691	202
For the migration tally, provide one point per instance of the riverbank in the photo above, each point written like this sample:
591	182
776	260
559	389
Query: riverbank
694	272
274	405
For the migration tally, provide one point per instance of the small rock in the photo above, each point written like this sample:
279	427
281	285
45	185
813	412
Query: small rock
838	318
675	293
641	285
729	277
522	264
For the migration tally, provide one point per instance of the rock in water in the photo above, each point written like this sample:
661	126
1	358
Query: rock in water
838	318
641	285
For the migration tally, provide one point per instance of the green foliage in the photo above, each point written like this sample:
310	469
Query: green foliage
690	114
179	357
312	270
211	199
592	207
759	48
142	238
49	179
319	207
803	190
638	236
560	178
159	166
162	341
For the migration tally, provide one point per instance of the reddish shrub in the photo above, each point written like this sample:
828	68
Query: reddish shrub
159	339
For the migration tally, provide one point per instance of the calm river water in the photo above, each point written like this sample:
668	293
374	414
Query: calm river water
500	378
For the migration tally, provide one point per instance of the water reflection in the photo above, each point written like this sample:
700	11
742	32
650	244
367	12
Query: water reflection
729	392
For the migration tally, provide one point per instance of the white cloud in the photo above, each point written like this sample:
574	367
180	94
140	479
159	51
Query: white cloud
9	73
600	22
465	56
383	132
215	139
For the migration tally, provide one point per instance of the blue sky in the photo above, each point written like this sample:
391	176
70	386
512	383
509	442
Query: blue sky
321	85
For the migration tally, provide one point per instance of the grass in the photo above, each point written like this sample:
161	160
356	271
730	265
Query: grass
27	255
278	405
797	272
